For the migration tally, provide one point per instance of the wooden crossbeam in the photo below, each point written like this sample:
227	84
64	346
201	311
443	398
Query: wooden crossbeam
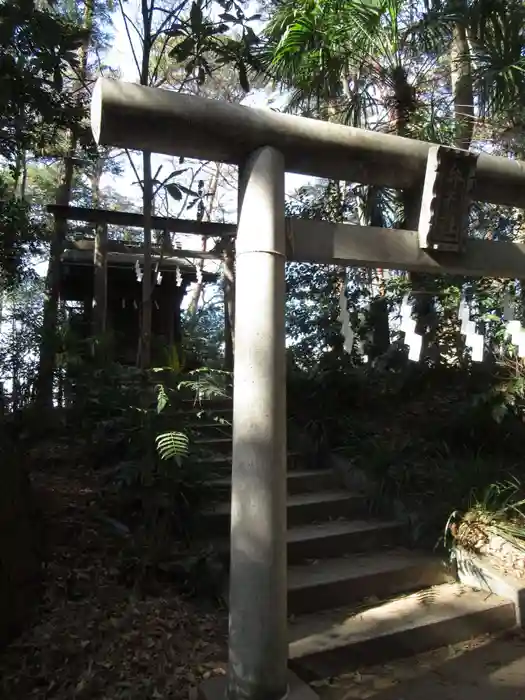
134	220
138	250
167	262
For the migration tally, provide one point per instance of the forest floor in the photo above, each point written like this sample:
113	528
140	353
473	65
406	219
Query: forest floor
94	639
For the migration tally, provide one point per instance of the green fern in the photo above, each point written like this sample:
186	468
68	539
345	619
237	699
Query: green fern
207	383
172	445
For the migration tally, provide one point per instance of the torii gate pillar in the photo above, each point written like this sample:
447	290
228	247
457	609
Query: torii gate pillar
258	647
258	638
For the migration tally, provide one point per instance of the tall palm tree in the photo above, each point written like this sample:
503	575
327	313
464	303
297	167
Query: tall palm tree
427	71
349	62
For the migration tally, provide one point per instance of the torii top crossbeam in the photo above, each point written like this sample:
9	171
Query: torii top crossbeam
166	122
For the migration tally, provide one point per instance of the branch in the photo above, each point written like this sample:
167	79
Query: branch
159	58
126	19
171	14
134	169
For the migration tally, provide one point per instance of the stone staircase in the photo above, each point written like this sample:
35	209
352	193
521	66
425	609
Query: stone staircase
356	596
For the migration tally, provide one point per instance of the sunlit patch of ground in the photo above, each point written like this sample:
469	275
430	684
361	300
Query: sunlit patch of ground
486	668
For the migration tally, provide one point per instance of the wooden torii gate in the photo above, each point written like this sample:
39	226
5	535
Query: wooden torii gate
265	144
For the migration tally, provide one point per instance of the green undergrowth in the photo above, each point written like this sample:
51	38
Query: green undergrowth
426	439
135	433
496	511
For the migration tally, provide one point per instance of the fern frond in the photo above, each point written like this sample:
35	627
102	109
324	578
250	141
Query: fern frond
172	444
207	383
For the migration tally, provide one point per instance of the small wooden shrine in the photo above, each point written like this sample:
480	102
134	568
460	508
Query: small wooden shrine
112	273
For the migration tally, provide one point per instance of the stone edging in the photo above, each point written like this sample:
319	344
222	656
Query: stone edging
477	571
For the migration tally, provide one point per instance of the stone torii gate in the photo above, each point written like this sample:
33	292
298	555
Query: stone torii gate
265	144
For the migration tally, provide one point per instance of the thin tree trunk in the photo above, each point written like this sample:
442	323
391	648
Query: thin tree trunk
100	281
23	183
405	105
229	305
370	215
193	306
147	206
15	369
48	345
463	93
100	262
203	213
461	79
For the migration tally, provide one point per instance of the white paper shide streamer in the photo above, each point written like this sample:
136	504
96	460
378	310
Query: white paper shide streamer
473	340
408	326
514	327
138	271
344	319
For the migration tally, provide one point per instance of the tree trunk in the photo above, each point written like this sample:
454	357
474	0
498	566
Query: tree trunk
405	105
203	213
229	304
147	206
370	215
424	309
461	80
463	92
48	344
100	281
15	369
145	325
193	306
100	262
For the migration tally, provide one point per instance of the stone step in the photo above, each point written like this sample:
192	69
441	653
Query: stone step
341	537
298	481
220	444
209	402
332	583
205	411
332	539
302	508
221	464
212	428
329	643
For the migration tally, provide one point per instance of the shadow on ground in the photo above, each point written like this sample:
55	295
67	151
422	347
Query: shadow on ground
489	668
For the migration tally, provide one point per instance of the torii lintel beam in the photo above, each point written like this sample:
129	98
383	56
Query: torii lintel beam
127	115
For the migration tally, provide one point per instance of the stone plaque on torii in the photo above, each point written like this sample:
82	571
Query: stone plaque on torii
446	199
265	145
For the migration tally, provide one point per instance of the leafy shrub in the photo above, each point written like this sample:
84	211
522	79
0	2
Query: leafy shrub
499	510
138	429
424	437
